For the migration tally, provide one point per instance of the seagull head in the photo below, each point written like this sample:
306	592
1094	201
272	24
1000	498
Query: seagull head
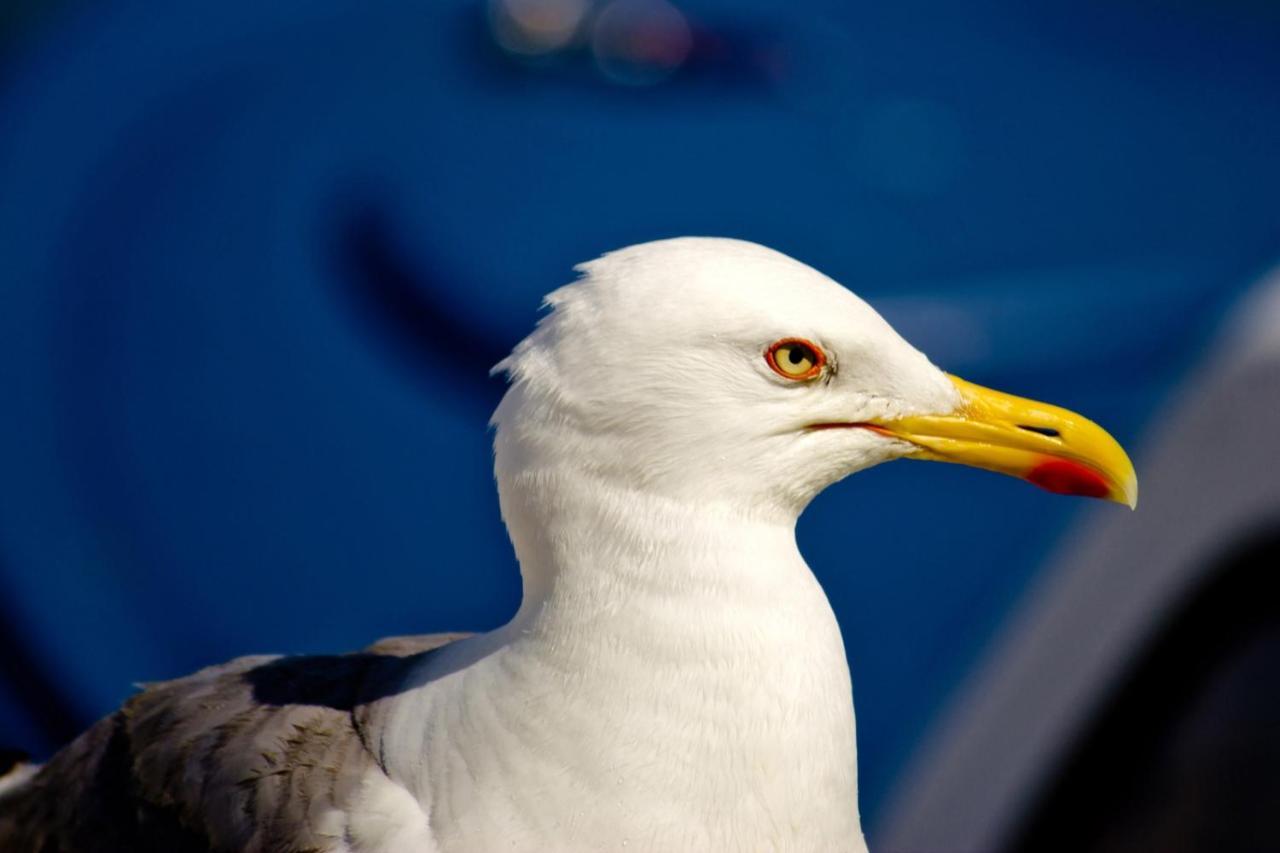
718	370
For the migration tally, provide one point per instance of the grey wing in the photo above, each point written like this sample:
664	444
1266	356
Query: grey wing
95	794
414	644
258	754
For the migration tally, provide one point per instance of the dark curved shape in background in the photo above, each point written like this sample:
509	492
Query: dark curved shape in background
1185	755
50	707
392	299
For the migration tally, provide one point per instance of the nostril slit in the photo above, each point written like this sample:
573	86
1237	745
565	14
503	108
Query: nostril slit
1049	431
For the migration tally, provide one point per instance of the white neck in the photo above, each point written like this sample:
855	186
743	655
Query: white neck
675	677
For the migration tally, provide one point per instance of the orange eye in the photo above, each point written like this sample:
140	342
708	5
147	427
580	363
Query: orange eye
794	358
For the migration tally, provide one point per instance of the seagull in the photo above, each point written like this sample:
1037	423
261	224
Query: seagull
674	678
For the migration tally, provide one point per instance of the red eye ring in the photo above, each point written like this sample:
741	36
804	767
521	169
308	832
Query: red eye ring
795	359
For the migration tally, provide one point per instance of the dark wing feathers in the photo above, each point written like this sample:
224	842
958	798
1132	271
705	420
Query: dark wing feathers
257	754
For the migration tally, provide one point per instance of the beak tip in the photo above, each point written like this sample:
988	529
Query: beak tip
1126	484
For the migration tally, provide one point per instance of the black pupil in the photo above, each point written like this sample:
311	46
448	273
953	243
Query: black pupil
796	355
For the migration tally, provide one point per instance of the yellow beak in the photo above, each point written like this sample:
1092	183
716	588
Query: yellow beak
1054	448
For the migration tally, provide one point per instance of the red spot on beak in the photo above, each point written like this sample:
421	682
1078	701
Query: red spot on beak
1065	477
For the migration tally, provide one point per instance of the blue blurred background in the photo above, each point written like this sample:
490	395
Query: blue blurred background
256	260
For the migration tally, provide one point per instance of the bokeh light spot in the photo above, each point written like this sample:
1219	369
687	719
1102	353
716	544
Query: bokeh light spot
640	42
536	27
